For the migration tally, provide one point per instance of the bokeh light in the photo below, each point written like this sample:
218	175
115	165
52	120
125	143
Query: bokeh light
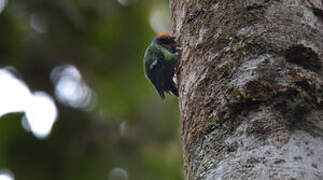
70	88
126	2
160	18
14	93
123	128
39	108
123	2
38	23
6	175
118	174
41	114
3	4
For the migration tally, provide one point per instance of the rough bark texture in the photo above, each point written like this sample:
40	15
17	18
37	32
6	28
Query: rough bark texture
251	88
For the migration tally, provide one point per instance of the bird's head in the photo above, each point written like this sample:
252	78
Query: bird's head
166	41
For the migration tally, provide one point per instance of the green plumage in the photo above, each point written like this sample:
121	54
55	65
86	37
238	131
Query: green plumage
159	64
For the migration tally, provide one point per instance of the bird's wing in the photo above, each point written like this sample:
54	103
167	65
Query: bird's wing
155	71
156	76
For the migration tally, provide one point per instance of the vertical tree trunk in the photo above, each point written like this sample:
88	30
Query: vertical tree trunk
251	88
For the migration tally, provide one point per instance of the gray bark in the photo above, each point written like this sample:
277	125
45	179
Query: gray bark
251	88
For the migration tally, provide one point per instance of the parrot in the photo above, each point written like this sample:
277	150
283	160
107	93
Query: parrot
159	64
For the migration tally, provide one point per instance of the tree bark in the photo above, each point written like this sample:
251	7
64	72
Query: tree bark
251	88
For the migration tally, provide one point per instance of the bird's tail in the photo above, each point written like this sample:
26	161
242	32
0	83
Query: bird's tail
161	93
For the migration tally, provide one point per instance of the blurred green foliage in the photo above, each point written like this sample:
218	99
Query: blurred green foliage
105	40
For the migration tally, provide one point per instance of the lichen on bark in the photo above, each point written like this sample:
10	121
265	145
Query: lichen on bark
251	88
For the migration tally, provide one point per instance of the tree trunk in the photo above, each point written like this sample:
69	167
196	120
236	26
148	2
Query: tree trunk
251	88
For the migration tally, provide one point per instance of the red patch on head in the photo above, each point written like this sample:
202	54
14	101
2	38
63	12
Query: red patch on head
163	35
165	40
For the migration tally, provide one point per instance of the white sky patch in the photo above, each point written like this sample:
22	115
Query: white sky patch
70	88
159	18
70	91
3	4
6	175
14	93
41	114
40	110
38	23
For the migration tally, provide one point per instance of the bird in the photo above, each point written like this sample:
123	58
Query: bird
159	64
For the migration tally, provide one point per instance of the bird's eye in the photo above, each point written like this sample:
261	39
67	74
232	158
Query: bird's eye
165	41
